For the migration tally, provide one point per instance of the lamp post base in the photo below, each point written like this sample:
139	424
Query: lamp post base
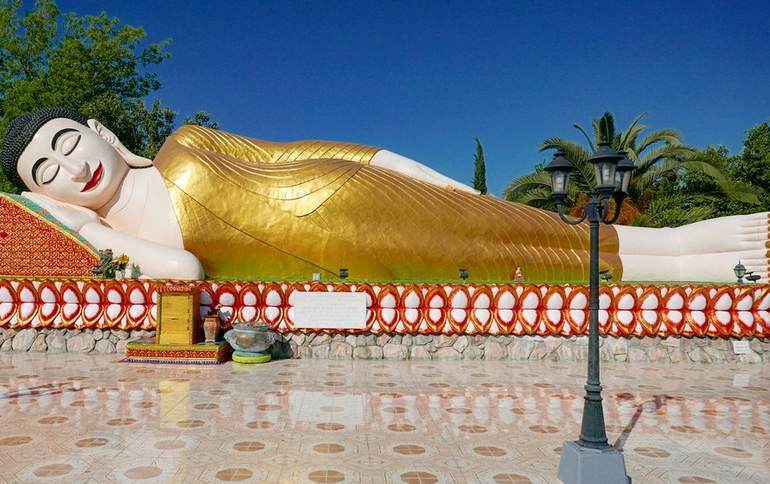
582	465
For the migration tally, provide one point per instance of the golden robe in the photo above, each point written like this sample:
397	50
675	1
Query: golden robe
252	209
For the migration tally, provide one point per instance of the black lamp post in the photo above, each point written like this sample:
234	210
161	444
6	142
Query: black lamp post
740	271
592	458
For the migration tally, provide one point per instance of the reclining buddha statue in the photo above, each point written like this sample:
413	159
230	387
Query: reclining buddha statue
219	205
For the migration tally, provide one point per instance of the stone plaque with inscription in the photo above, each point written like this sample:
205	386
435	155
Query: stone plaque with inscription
329	310
741	347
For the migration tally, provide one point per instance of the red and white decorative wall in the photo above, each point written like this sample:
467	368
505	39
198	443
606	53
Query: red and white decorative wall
544	310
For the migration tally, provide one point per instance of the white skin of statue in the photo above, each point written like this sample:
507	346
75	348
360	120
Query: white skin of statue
83	176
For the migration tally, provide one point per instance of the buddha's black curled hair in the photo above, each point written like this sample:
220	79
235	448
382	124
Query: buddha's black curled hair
20	133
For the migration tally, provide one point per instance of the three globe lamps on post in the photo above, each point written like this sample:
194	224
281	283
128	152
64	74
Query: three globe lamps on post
591	459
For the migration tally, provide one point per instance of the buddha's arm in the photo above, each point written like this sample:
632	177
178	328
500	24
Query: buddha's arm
155	260
248	149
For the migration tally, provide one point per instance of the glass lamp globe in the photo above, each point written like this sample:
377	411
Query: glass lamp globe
740	270
559	168
623	173
605	161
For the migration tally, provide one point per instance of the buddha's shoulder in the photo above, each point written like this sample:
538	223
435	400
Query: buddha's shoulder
190	135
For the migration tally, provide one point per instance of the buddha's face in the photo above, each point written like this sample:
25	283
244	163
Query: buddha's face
71	163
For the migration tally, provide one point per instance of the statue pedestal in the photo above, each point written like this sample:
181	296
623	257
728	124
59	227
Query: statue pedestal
147	351
581	465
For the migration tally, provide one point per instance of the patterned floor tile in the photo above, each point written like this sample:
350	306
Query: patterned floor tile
84	418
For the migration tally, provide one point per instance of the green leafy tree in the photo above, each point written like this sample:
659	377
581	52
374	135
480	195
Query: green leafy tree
659	155
686	195
752	166
480	174
94	64
201	118
691	194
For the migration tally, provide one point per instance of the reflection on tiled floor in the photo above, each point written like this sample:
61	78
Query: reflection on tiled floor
68	418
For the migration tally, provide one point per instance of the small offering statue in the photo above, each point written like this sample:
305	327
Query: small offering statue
105	267
119	266
518	277
110	268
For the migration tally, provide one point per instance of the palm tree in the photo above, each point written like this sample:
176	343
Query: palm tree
658	154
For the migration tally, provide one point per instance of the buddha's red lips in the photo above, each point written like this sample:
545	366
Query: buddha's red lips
94	179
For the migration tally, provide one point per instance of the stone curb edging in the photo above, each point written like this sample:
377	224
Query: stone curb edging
553	348
420	347
69	340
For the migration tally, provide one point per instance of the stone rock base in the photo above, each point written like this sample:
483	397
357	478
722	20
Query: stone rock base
442	347
420	347
69	340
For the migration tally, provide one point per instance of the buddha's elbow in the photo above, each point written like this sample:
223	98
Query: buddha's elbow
185	266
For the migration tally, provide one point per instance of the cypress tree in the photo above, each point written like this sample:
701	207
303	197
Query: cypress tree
480	175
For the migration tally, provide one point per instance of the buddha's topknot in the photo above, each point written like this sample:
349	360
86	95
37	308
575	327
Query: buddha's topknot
20	133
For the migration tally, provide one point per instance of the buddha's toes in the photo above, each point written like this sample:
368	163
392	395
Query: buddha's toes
754	234
703	251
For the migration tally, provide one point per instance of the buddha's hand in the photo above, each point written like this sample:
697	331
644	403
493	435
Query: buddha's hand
71	216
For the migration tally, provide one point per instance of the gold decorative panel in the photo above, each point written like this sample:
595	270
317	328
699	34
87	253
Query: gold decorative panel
178	317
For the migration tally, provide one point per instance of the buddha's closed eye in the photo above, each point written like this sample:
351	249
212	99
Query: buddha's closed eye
60	135
69	144
44	171
49	173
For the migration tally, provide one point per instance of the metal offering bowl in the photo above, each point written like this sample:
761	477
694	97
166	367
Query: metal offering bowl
251	339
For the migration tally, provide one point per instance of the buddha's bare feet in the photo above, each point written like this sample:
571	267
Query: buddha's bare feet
754	232
703	251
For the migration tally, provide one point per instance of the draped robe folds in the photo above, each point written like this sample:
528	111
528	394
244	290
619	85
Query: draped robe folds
251	209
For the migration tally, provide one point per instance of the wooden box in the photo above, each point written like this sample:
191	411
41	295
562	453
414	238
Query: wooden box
178	315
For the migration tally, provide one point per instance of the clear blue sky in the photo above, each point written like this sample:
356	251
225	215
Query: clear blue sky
424	78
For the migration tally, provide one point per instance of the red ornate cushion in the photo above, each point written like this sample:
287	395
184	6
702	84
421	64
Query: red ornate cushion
33	243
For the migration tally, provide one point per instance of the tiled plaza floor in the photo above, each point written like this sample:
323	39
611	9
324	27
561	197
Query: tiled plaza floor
80	418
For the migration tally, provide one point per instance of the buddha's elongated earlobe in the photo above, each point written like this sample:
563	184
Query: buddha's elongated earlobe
133	160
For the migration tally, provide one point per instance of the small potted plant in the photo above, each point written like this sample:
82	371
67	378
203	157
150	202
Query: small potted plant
135	271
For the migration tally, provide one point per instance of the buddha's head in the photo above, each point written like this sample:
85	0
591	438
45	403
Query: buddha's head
60	153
